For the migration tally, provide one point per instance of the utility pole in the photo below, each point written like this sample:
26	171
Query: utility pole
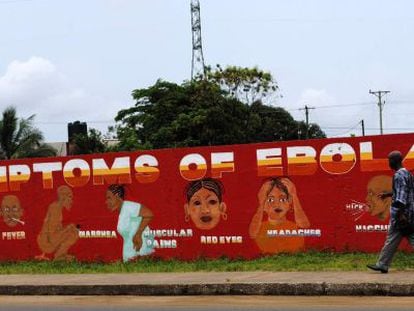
379	94
307	118
363	127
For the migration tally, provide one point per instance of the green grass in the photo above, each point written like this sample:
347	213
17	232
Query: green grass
311	261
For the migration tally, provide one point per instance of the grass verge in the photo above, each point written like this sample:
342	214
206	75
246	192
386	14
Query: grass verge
310	261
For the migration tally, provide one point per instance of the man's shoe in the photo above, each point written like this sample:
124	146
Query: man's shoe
377	268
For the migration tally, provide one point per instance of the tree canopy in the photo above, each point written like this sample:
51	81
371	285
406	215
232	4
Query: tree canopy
171	115
92	142
248	85
199	113
20	139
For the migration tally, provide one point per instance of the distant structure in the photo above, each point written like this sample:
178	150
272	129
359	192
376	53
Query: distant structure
197	64
75	128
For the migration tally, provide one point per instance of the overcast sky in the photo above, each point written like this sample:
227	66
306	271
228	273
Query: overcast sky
67	60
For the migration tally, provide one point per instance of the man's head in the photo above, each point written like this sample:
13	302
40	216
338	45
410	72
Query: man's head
377	206
65	196
395	160
11	210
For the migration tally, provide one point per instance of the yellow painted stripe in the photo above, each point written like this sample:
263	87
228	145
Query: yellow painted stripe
269	162
114	171
199	167
143	169
301	160
366	156
223	165
410	155
345	157
70	174
19	177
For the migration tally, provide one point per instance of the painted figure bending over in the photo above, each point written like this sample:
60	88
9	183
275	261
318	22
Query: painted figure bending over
277	196
205	206
54	238
132	225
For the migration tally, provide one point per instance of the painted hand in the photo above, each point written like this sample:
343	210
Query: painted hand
290	186
262	195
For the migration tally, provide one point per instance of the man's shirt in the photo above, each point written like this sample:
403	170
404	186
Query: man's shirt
403	192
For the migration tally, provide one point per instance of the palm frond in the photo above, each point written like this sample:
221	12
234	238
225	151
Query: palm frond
20	139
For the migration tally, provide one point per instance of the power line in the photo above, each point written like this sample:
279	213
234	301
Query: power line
394	102
13	1
342	127
334	106
400	114
348	129
65	122
367	128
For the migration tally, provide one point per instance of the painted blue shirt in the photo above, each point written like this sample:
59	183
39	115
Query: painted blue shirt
128	224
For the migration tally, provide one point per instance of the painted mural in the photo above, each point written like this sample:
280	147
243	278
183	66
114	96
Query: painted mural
236	201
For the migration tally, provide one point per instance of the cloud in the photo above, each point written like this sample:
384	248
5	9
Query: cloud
333	116
26	84
36	86
314	97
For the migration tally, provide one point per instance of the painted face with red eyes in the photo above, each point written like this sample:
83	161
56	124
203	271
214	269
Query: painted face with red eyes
277	204
205	209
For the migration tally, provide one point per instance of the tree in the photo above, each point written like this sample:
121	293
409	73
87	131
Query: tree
248	85
92	142
198	113
170	115
314	131
20	139
267	123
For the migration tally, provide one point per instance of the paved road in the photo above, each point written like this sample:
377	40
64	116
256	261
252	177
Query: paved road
203	303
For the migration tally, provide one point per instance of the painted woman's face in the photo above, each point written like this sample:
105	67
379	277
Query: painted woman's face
113	202
205	209
277	204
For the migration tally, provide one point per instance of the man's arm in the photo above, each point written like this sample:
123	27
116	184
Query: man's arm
401	187
398	205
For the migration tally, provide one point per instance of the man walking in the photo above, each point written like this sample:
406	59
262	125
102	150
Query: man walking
401	214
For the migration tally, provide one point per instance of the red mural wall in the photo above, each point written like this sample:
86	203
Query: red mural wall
236	201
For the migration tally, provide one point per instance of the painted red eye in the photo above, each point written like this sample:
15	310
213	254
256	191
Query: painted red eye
337	157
